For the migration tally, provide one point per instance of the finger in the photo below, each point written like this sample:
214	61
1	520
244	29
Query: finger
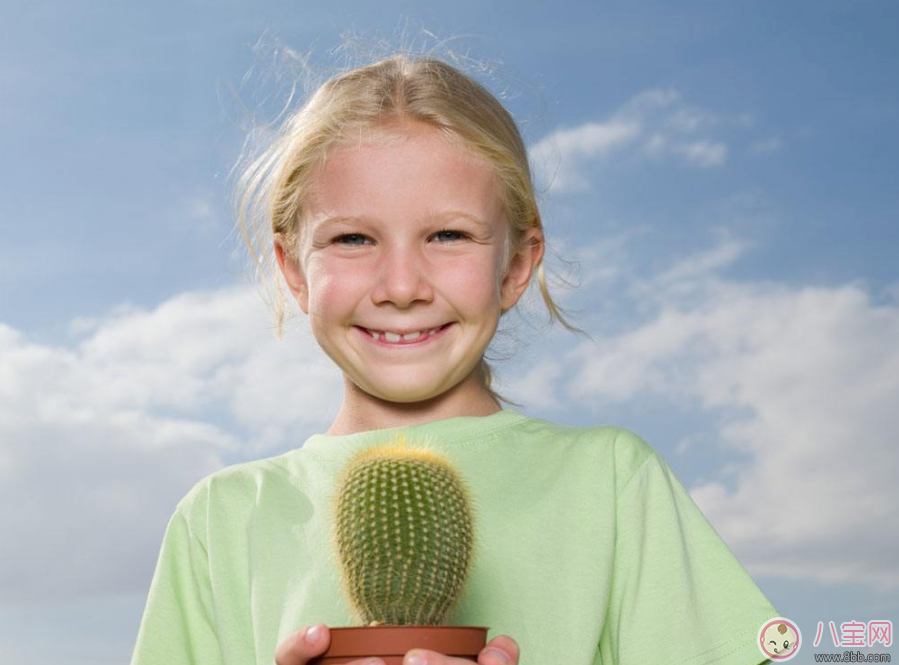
494	656
303	645
424	657
507	645
501	650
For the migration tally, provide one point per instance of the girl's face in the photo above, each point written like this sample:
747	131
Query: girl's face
406	234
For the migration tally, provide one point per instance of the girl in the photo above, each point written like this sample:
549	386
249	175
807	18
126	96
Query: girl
404	223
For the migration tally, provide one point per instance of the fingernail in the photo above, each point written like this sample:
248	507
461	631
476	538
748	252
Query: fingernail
415	658
312	634
497	653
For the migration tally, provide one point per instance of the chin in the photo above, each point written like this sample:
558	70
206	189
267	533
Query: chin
403	394
407	397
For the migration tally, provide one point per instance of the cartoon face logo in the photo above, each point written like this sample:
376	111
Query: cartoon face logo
779	639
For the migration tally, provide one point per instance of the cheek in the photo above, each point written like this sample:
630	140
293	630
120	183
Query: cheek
474	281
334	283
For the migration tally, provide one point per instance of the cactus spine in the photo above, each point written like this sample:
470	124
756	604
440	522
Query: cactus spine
404	534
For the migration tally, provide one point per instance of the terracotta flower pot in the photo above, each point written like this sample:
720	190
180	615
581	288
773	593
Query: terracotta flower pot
391	643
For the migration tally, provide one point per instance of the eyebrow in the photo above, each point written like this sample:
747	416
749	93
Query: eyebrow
445	215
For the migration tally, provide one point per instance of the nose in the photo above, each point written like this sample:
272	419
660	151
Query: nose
402	278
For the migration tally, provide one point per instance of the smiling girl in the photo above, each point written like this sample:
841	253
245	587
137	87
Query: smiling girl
404	222
398	267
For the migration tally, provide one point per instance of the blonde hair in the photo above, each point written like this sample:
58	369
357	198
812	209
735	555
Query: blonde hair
358	103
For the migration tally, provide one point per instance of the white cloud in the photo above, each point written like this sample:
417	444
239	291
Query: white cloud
100	439
593	139
703	153
530	388
648	101
653	123
891	292
765	146
656	145
812	372
559	154
700	264
685	120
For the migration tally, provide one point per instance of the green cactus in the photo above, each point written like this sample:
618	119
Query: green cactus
404	534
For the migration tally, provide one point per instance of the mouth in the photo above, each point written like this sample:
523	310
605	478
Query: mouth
423	339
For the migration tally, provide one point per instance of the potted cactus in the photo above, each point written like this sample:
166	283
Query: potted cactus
404	535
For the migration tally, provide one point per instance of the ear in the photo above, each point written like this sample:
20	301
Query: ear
293	275
521	266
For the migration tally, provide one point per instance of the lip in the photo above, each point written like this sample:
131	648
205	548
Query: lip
416	344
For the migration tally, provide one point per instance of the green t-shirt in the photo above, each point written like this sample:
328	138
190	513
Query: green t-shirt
588	551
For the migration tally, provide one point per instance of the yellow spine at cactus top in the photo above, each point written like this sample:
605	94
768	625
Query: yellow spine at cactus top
398	448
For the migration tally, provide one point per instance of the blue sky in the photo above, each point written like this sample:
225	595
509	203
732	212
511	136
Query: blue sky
722	173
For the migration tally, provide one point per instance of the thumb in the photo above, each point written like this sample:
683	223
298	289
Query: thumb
303	645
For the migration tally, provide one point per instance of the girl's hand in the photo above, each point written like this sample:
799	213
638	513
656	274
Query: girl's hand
501	650
300	648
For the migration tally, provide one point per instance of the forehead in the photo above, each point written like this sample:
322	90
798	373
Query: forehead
414	169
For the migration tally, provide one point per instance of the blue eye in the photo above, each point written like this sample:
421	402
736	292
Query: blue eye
339	239
460	234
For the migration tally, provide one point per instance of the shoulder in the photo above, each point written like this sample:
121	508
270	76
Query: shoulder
231	490
631	453
619	447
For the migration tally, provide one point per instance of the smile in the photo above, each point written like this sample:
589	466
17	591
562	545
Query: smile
393	340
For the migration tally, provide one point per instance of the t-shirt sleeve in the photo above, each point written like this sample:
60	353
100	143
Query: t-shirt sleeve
678	594
178	625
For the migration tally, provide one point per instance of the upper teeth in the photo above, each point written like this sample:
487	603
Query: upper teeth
394	337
